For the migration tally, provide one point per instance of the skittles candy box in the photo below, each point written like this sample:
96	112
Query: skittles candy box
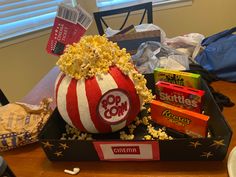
177	77
180	96
182	120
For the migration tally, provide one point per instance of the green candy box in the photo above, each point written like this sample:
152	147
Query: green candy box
177	77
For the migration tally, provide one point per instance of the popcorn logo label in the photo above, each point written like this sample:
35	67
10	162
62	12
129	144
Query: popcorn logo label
114	106
126	150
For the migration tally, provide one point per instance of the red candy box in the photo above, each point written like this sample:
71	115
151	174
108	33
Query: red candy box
180	96
182	120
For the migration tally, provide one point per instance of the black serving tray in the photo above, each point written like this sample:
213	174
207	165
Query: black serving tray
181	148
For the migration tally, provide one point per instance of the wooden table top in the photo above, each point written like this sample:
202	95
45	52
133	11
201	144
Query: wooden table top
30	160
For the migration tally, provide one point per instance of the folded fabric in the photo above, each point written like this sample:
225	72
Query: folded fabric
220	99
21	123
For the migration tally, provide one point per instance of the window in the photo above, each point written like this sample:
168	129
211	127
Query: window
18	17
111	4
104	3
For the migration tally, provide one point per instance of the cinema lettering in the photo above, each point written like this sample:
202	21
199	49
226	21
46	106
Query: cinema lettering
126	150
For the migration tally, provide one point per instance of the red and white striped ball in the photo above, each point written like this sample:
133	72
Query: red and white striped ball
97	105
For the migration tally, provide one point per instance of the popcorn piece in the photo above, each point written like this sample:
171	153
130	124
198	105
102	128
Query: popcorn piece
89	138
158	134
137	121
73	134
148	137
131	128
145	120
124	136
143	108
149	117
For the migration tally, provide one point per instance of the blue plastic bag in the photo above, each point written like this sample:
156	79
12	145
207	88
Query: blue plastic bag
219	55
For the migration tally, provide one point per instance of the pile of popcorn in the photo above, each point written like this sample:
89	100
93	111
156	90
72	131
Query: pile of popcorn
74	134
94	55
152	133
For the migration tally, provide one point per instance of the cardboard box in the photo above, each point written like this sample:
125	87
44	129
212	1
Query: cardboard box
110	147
180	96
177	77
182	120
132	41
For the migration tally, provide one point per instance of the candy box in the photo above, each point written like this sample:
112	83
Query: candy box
180	96
188	122
131	41
177	77
110	147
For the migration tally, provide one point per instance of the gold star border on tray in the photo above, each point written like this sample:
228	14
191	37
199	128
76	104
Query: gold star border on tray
47	144
58	153
217	143
195	144
64	146
207	154
61	147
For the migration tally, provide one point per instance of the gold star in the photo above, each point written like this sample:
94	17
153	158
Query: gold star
218	143
47	144
206	154
64	146
58	154
195	144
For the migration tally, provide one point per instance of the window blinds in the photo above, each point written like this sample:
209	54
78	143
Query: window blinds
19	17
104	3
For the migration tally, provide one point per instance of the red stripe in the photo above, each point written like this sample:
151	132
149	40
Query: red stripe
93	93
72	105
124	82
58	84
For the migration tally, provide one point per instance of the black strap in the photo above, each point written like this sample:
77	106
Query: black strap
143	16
103	21
221	99
126	18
